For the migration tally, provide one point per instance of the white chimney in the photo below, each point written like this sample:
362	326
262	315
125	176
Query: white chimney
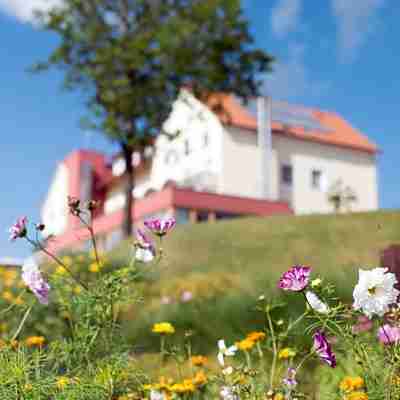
264	137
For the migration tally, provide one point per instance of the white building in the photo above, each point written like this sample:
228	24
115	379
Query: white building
307	154
260	159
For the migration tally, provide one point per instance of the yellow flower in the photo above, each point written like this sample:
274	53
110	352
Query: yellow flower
349	383
356	396
186	386
256	336
61	270
35	341
19	301
28	387
93	267
279	396
8	282
77	289
396	380
199	379
316	282
286	353
62	382
245	344
163	328
199	361
67	260
7	296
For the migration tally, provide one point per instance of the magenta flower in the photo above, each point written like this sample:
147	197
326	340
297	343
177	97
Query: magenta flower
296	279
33	279
323	349
145	250
18	230
388	334
159	226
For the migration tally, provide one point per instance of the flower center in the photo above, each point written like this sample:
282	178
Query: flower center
376	291
372	291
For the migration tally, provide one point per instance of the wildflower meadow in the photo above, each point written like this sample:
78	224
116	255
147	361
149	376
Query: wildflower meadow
65	329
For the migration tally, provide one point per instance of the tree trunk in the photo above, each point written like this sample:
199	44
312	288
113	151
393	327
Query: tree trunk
127	226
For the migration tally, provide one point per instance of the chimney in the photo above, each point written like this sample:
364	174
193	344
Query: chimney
264	137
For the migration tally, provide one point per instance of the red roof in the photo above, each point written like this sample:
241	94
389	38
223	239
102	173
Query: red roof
338	131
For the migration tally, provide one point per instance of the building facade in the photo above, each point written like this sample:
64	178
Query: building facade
262	158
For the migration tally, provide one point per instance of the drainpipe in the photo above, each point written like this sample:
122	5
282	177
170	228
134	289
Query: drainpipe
264	137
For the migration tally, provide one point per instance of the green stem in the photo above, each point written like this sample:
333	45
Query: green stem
275	350
38	245
21	325
162	347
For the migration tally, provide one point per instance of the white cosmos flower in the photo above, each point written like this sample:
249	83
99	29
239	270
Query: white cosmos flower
315	302
375	291
227	371
228	393
156	395
225	351
144	255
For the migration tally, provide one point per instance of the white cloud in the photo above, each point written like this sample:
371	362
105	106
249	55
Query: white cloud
285	17
24	10
291	80
355	19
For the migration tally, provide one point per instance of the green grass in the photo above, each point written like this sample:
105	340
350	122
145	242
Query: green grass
227	265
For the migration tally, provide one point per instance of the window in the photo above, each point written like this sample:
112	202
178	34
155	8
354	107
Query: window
287	174
187	147
171	157
181	215
205	140
316	179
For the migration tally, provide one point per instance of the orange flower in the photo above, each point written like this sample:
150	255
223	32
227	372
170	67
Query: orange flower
199	361
256	336
35	341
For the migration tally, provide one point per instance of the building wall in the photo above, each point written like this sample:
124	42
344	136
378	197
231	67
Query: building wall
241	163
356	169
192	157
55	210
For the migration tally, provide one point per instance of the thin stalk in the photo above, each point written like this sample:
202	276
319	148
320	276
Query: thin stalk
89	227
275	350
39	246
22	323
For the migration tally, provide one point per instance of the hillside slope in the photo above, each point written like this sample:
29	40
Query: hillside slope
227	265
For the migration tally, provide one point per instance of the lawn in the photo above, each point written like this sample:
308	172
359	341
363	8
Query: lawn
228	265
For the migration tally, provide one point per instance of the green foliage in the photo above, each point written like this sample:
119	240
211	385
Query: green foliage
132	57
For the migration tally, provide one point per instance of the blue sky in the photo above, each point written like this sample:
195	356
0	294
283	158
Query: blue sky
342	56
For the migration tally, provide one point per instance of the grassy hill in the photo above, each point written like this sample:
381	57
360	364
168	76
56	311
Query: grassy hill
227	265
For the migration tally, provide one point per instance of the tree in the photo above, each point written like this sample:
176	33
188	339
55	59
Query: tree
132	57
341	196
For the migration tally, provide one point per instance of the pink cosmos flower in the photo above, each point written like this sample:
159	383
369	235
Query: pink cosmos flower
165	300
145	249
290	379
186	296
388	334
159	226
33	279
296	279
18	230
323	349
364	324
